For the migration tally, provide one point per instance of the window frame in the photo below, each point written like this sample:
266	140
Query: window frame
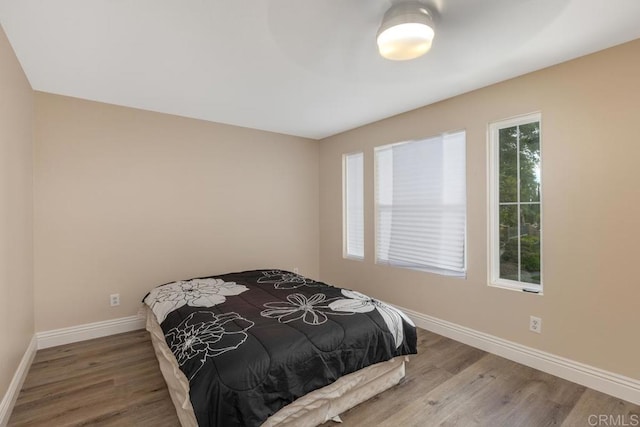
493	185
345	214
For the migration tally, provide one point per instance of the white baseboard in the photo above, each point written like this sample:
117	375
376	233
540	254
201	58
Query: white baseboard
88	331
10	397
622	387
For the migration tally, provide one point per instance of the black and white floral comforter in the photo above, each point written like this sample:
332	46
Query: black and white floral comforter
253	342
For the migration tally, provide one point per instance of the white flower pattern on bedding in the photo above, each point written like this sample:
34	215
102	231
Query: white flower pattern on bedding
360	303
313	310
207	338
196	293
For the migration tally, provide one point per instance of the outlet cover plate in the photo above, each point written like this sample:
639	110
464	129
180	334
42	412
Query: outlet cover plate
535	324
114	299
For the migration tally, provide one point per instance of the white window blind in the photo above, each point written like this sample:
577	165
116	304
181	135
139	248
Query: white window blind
354	205
421	204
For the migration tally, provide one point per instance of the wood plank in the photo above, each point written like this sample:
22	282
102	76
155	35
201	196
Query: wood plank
116	381
595	408
110	381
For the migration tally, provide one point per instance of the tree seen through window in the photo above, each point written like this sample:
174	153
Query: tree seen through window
519	202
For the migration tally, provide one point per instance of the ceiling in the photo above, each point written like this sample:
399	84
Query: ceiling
301	67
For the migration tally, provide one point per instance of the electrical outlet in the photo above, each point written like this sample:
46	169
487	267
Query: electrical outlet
296	270
535	324
114	299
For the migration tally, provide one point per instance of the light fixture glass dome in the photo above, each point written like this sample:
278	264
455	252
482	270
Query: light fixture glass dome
406	32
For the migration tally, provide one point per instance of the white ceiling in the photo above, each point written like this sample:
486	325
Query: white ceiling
300	67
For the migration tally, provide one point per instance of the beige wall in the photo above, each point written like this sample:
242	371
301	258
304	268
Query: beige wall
591	183
16	213
128	199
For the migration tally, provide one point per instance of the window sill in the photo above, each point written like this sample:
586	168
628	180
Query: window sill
517	288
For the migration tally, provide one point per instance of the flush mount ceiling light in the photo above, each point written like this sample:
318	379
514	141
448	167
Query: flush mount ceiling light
406	31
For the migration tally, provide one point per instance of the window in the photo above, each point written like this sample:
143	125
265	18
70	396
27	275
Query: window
353	187
515	224
421	204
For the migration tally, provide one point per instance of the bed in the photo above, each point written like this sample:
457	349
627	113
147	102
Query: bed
273	348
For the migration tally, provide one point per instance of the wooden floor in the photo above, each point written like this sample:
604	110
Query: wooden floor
115	381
